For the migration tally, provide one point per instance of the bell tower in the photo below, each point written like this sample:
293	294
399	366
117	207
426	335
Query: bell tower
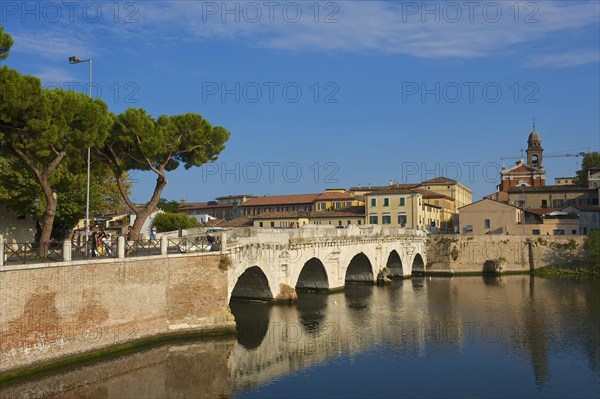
534	149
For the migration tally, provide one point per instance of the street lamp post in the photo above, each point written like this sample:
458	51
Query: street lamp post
77	60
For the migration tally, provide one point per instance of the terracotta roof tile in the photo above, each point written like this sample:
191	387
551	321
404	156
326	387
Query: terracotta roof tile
373	188
235	196
214	223
334	195
439	180
392	190
281	200
242	221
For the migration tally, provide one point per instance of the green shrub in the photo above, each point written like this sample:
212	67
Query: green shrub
167	221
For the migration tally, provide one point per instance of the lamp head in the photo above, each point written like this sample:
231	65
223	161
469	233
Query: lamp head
74	60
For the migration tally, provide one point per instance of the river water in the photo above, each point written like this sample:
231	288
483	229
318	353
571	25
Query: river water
468	337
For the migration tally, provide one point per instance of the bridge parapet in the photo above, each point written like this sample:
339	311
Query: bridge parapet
316	234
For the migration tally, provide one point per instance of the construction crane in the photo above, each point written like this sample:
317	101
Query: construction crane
572	154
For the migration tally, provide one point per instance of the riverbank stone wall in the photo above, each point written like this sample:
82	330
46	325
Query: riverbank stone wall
52	312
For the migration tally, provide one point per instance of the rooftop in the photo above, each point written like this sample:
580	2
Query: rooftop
281	200
541	189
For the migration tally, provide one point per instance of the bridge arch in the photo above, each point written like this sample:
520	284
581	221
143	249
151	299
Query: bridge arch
313	276
252	284
418	265
394	264
359	269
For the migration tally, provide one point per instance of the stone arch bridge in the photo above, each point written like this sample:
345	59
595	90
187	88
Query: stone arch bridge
271	264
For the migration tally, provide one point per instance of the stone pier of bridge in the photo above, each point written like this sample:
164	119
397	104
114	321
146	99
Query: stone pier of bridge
271	264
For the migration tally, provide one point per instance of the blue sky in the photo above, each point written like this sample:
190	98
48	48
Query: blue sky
333	94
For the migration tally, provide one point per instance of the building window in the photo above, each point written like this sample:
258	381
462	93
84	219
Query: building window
337	205
402	201
558	203
373	219
386	202
573	231
558	232
260	224
373	201
349	222
402	219
487	224
272	224
544	204
339	222
536	232
360	222
386	219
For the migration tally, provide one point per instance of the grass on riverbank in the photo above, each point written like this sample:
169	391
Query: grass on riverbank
567	271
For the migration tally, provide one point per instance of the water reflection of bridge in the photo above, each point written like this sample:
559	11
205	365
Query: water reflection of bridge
413	318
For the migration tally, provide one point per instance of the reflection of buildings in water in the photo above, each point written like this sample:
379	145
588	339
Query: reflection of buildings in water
411	318
197	370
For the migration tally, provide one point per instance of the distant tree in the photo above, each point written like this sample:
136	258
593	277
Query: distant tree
6	43
590	160
46	130
139	142
166	221
168	206
18	188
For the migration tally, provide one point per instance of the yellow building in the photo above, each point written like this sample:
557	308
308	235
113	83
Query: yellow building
431	217
448	194
395	207
462	195
291	219
336	199
446	208
564	181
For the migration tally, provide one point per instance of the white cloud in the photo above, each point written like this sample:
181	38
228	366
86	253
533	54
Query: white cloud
52	77
566	59
362	26
53	45
385	27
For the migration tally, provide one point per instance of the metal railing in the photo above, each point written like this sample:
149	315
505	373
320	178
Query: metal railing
32	252
192	244
108	248
142	248
76	249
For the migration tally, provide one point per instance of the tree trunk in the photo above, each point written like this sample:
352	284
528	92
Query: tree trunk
143	214
47	222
